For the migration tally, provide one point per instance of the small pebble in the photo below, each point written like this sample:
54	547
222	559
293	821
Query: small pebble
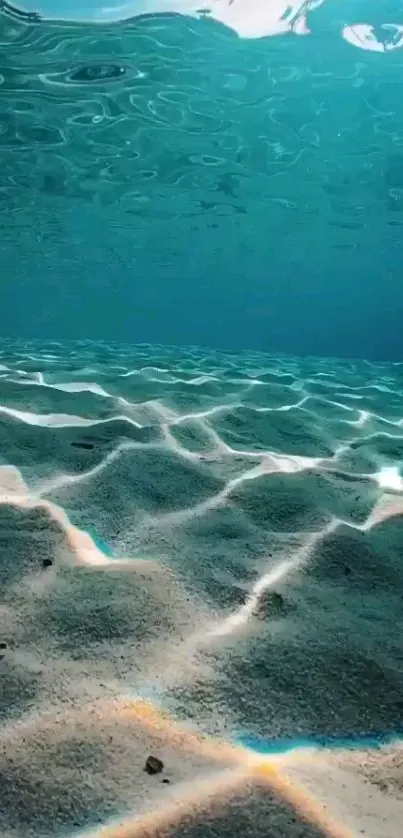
46	563
153	765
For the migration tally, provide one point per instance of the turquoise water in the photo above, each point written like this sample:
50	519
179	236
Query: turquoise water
201	389
285	745
99	542
213	189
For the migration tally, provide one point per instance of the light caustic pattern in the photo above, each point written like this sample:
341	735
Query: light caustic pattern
223	541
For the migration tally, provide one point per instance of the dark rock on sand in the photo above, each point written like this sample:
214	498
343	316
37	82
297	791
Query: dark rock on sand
153	765
47	563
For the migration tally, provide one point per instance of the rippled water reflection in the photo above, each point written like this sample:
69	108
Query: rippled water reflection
191	152
177	118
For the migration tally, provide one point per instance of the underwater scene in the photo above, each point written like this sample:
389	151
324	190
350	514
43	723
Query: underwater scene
201	419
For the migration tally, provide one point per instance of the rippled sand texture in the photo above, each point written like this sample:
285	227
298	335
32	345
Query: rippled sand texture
209	538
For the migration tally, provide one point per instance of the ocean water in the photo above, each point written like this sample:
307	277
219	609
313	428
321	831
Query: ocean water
220	174
201	419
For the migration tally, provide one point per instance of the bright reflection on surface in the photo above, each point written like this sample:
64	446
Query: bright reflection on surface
248	18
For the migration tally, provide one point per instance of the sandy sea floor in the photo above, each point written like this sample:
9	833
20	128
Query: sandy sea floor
200	560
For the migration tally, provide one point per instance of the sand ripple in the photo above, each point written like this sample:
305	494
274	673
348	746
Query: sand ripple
217	534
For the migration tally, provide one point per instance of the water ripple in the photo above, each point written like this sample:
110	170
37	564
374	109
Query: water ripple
170	108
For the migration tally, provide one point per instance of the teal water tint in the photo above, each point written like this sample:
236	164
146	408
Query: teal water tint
178	174
100	543
354	742
167	179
